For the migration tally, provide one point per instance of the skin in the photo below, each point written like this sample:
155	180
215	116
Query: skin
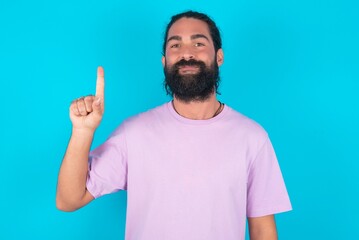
187	38
85	114
262	228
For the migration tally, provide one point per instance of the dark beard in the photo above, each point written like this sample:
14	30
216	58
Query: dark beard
192	87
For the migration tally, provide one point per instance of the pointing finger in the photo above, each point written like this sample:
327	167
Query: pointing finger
100	83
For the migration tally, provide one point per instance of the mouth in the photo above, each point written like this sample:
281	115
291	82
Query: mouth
188	69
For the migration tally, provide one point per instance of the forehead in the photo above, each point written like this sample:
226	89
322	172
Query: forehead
187	27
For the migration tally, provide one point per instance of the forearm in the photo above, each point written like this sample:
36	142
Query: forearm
71	186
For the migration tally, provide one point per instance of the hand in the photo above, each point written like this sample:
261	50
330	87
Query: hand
86	112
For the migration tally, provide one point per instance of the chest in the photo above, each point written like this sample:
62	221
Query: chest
189	160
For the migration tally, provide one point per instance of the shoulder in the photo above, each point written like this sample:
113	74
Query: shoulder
245	126
149	118
244	122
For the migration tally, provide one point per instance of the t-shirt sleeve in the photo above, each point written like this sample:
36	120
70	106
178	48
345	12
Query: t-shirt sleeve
266	190
107	168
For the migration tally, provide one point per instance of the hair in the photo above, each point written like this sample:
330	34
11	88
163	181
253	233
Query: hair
213	30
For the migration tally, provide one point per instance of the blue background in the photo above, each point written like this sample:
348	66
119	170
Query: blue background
293	66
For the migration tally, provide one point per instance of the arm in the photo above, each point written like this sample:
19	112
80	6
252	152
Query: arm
85	114
71	187
262	228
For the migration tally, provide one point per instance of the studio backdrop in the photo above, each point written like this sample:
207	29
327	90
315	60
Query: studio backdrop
292	66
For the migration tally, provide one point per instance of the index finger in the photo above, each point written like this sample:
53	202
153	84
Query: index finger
100	83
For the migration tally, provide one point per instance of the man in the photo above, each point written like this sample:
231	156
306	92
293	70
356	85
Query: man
193	168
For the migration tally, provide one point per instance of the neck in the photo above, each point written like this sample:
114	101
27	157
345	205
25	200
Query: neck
198	110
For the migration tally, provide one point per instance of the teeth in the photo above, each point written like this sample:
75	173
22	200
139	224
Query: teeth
186	72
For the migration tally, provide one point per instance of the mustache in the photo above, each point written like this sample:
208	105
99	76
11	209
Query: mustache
190	62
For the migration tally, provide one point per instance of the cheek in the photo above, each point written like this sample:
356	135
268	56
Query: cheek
170	59
206	57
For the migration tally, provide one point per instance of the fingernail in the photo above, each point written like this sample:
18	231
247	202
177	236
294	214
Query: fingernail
100	70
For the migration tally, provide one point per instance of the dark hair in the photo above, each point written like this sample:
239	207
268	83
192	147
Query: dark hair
213	30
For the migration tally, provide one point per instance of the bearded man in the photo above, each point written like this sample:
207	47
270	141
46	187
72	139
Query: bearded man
193	168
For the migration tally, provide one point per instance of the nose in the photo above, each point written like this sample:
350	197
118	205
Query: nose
187	53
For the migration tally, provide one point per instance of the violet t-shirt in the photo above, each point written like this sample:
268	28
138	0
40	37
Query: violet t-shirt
189	179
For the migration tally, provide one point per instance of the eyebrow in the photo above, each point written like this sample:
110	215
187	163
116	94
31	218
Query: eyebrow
199	36
195	36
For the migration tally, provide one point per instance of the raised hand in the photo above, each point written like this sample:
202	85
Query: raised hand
86	112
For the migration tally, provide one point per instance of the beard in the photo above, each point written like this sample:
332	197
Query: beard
192	87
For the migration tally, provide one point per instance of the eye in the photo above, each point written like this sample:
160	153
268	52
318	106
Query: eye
175	45
199	44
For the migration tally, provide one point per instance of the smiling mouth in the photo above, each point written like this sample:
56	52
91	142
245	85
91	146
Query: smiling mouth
188	69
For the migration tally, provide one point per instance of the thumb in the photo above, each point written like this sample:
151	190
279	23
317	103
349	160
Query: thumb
98	106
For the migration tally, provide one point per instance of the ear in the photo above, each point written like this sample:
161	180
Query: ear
220	57
163	61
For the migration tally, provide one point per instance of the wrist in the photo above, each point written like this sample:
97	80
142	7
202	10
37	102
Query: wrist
83	132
